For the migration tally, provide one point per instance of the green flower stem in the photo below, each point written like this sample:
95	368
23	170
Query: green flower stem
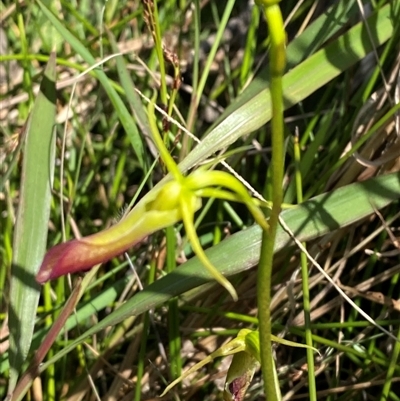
169	162
274	20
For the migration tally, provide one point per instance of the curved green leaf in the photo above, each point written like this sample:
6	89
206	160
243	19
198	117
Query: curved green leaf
242	118
30	234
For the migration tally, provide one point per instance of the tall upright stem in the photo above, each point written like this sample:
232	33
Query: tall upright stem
277	65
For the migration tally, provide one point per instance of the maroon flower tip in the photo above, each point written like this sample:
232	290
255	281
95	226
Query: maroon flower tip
69	257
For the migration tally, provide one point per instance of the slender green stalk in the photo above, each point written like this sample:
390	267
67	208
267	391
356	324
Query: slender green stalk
142	356
50	382
27	79
154	25
248	57
162	55
394	361
173	311
196	56
274	20
164	154
206	70
175	87
304	275
143	342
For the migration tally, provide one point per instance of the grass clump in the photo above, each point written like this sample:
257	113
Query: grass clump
98	333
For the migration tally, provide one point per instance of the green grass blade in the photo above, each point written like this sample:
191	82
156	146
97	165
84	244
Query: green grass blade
123	113
239	252
129	88
30	233
319	32
300	82
302	47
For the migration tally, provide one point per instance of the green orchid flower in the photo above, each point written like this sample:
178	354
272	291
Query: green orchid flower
246	350
176	200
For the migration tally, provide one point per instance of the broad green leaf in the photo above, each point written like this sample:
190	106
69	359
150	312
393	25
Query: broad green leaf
30	234
300	48
303	80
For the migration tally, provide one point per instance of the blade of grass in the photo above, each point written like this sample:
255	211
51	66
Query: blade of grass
196	96
30	233
298	83
129	88
305	283
390	373
123	113
174	338
300	48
